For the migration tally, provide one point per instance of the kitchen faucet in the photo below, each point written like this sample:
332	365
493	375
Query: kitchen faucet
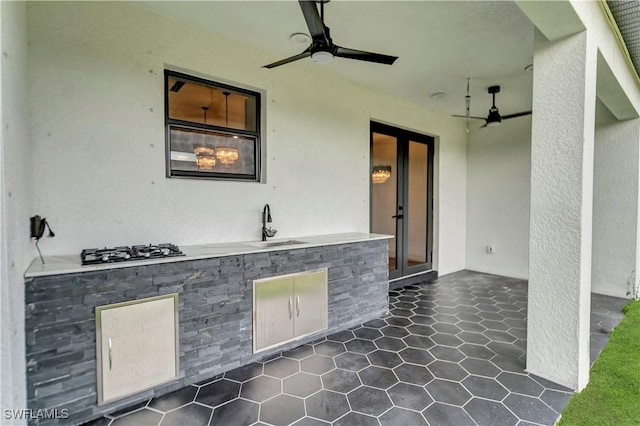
266	218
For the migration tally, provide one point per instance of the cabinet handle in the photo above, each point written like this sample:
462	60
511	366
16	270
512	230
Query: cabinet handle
110	360
298	305
290	308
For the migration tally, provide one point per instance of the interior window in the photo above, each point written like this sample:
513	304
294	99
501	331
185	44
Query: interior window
213	129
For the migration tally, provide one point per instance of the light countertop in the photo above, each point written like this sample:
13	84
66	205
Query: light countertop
58	265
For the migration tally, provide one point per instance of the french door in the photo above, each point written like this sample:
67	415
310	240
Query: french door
402	197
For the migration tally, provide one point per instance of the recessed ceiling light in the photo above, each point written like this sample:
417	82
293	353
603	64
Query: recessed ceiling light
529	67
299	38
438	95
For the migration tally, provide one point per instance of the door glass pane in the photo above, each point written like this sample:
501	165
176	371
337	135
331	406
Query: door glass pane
384	193
417	209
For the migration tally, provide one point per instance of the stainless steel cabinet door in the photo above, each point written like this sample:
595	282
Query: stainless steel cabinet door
273	305
310	301
136	346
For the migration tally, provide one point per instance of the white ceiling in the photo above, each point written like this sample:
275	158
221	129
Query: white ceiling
439	44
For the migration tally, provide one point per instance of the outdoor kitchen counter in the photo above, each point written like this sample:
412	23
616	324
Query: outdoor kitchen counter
214	284
69	264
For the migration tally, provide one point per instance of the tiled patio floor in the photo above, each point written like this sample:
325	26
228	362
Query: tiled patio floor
450	353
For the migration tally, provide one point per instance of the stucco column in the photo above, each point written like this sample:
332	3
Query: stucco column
562	144
615	207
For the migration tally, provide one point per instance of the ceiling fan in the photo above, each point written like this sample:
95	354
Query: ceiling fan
494	118
322	49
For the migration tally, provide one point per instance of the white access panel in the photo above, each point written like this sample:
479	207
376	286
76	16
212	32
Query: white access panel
136	346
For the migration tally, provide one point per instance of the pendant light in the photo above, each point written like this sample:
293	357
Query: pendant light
226	155
205	155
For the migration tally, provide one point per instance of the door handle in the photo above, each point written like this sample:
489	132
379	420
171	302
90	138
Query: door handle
110	360
290	308
298	305
399	216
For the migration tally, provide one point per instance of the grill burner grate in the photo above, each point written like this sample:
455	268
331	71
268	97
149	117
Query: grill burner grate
124	253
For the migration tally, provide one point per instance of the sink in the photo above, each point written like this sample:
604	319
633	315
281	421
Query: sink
265	244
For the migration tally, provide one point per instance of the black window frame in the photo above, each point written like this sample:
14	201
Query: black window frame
189	125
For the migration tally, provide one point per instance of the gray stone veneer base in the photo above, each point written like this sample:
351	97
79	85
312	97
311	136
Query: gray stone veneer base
215	334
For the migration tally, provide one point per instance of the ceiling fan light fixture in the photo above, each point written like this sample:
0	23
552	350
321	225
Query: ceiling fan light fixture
322	57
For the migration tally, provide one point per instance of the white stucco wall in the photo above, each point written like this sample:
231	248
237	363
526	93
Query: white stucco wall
498	191
99	138
15	204
615	207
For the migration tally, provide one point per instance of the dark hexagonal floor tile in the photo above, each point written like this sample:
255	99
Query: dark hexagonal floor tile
421	330
490	413
469	317
360	346
489	306
282	410
506	349
415	374
475	327
476	351
237	412
485	387
351	361
218	392
378	377
480	367
446	340
520	384
192	414
301	384
261	388
495	325
555	399
405	313
367	333
317	364
447	353
394	331
531	409
341	380
494	316
327	405
370	401
356	419
409	396
281	367
400	322
449	319
174	399
448	392
341	336
306	421
499	336
472	337
520	333
447	370
507	363
384	359
300	352
419	342
416	356
399	416
449	310
390	344
245	373
442	414
329	348
140	417
443	327
376	323
425	319
405	305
